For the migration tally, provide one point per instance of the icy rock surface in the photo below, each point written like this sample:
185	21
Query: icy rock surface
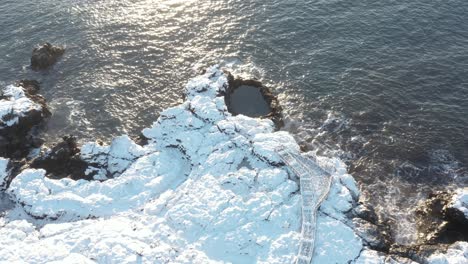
14	104
369	256
207	188
460	201
456	254
110	160
4	173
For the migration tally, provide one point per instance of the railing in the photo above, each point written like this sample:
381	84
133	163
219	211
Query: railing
315	185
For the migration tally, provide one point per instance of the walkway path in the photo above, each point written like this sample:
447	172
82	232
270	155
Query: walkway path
315	185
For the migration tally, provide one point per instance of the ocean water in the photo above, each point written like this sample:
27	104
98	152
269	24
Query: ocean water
382	84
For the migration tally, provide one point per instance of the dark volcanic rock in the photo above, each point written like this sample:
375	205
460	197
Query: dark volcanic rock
273	111
17	138
366	213
370	228
62	161
418	253
371	234
141	139
439	226
439	222
31	89
45	56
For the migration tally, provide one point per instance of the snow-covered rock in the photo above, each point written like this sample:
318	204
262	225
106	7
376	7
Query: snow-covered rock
207	188
21	109
4	173
457	209
369	256
460	201
110	160
456	254
15	104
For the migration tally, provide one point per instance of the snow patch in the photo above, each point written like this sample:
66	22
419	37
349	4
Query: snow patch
15	104
456	254
113	159
4	173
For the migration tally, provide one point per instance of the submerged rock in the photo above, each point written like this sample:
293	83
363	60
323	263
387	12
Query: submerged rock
22	111
45	56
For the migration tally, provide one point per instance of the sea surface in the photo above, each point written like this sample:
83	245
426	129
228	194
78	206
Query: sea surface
382	84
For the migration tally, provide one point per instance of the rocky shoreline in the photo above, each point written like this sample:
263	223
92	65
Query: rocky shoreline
196	154
22	113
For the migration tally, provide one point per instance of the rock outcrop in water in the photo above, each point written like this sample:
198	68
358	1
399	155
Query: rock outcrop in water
22	111
442	218
45	56
443	230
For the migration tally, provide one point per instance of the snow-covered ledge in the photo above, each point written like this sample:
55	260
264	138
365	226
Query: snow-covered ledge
16	104
207	188
21	109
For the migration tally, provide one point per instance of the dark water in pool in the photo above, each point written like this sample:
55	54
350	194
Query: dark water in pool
383	83
249	101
